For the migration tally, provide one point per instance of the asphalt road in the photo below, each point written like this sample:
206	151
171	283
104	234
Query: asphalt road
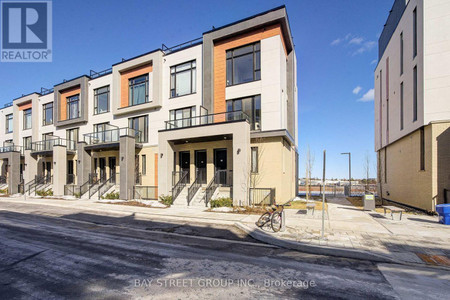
53	253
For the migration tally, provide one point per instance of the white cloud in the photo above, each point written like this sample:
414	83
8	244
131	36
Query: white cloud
336	42
356	41
369	96
356	90
373	62
367	46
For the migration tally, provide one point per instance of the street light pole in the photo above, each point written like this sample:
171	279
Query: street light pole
349	171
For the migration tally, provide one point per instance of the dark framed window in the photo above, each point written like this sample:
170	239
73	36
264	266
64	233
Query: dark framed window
144	164
101	100
101	127
182	116
249	105
414	32
27	119
72	134
401	106
183	79
244	64
73	107
138	90
141	124
415	94
47	114
27	143
47	136
422	149
254	165
401	53
9	123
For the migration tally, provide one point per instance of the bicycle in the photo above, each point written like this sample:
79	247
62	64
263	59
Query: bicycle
273	216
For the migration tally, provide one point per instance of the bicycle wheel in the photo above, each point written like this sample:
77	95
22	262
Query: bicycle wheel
263	220
276	221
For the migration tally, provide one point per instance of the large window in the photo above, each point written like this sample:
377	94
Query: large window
182	79
244	64
73	107
141	124
182	116
101	100
72	134
101	127
254	165
27	143
138	90
27	119
47	114
251	106
9	123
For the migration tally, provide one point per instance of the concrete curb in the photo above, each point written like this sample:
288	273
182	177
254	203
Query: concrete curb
260	235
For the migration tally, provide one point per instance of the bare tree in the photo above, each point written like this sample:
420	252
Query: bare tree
309	164
367	169
254	178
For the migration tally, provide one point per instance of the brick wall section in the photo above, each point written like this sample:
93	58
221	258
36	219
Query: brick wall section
220	48
125	76
63	102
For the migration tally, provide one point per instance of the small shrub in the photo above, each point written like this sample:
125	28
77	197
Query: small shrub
166	200
44	193
4	191
111	196
76	195
222	202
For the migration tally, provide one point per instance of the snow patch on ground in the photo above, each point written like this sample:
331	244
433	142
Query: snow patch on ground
222	209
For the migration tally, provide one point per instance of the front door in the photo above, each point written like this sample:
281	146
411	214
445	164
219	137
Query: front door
200	166
48	168
102	165
220	165
70	176
112	168
185	164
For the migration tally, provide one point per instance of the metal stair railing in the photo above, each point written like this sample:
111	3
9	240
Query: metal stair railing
211	188
178	187
195	186
37	180
105	186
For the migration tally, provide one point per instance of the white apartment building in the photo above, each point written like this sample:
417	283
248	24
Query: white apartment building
412	106
213	117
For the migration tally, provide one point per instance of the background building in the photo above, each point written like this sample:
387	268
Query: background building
412	107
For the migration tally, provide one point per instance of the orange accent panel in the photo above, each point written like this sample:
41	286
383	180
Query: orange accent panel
156	172
25	106
220	70
125	76
63	101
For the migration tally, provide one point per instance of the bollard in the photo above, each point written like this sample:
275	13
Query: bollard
283	221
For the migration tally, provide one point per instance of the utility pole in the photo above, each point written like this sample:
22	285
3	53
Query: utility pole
323	194
349	171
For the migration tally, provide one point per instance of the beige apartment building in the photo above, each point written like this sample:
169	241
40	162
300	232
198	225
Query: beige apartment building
209	118
412	104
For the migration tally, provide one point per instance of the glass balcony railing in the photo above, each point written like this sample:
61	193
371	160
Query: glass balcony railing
207	120
111	136
11	148
48	145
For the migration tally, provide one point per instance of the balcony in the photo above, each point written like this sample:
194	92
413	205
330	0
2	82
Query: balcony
226	117
46	147
110	138
11	148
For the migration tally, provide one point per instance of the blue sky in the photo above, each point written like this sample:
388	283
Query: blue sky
336	45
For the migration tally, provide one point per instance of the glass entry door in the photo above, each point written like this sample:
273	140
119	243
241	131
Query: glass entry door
200	166
220	165
185	164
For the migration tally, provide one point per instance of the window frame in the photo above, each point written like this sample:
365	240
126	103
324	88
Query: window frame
131	88
232	58
144	164
77	129
69	101
414	32
415	100
254	167
192	114
401	52
8	118
27	113
192	68
401	105
45	107
252	117
96	96
144	136
25	139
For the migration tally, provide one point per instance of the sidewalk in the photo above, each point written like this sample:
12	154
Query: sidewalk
349	232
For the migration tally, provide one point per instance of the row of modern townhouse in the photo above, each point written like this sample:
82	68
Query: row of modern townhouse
412	107
213	117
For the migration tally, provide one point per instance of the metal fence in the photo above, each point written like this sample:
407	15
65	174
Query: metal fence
261	196
335	190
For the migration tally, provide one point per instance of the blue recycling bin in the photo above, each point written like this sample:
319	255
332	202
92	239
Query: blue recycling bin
444	213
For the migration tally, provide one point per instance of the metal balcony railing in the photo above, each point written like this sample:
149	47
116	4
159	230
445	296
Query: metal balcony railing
225	117
111	136
48	145
11	148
